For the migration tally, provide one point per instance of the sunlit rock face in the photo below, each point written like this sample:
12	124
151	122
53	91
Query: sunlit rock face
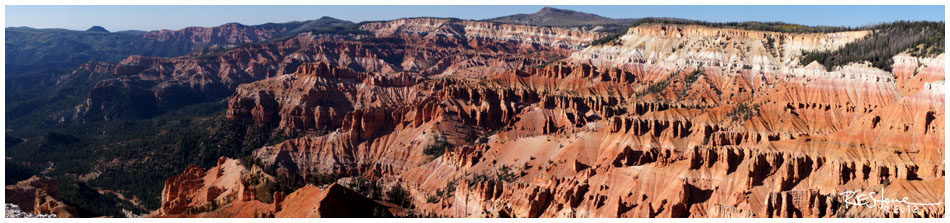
731	49
674	121
473	30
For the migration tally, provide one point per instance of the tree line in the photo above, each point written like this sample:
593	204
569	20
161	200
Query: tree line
884	42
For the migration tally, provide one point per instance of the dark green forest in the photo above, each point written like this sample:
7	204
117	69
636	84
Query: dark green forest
137	148
885	41
133	156
615	33
32	50
758	26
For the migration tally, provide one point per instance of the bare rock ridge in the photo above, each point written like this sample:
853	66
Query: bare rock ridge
233	34
35	50
523	34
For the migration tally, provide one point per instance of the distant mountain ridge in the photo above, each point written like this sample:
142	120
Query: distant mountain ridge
549	16
32	50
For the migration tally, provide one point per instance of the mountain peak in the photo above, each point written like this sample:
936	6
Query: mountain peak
97	29
547	10
550	16
329	18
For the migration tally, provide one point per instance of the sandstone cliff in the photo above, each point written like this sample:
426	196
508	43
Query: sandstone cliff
675	121
424	46
38	195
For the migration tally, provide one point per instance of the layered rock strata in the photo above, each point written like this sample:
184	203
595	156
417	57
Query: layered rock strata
675	121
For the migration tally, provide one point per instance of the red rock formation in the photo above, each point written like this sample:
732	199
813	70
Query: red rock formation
227	190
38	195
646	128
334	201
178	189
197	189
477	49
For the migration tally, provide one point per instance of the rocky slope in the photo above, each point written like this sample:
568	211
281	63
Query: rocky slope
675	121
36	197
230	189
424	45
13	211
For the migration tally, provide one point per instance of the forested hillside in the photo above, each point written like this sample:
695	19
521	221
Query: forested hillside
887	40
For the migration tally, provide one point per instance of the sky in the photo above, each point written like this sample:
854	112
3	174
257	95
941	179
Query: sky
118	18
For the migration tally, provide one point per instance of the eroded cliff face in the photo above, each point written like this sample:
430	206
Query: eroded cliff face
38	195
675	46
473	30
227	34
419	46
676	121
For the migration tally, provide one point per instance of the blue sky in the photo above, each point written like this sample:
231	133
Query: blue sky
116	18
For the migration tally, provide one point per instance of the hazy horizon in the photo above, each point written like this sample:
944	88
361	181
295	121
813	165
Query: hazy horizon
121	18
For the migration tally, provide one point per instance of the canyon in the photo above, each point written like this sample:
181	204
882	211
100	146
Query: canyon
461	118
588	137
